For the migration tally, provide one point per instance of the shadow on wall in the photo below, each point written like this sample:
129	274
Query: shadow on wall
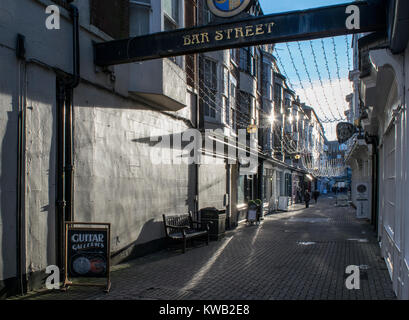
8	200
140	247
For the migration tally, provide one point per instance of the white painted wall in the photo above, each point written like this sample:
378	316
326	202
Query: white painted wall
393	197
115	180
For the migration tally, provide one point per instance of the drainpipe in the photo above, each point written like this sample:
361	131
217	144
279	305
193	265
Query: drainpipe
199	118
197	165
70	86
373	140
21	164
60	201
65	104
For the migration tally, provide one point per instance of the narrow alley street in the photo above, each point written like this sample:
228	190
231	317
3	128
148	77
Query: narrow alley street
296	255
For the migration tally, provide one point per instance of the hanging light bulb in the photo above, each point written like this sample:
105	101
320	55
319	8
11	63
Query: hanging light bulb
272	117
290	118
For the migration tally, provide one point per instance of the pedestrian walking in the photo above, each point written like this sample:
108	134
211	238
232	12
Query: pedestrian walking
299	197
307	198
315	195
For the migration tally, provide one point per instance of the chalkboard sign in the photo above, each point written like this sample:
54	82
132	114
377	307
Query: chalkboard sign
87	251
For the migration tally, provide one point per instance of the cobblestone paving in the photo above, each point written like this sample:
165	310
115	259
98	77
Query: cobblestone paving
297	255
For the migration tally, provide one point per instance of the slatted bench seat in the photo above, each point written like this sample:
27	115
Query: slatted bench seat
181	228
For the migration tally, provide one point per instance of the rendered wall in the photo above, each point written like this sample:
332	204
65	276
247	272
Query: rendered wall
40	212
115	179
212	185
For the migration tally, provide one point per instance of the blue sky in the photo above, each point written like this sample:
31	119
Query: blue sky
325	94
272	6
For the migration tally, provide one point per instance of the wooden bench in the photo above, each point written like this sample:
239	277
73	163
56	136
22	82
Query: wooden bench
182	228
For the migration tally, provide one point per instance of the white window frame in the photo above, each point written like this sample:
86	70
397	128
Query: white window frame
233	102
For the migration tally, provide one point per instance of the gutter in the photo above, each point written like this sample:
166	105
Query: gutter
70	86
374	141
21	164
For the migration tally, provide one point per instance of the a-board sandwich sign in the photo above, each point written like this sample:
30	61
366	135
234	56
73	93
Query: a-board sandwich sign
87	251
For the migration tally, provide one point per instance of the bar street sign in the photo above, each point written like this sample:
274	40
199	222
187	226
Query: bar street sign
357	17
87	252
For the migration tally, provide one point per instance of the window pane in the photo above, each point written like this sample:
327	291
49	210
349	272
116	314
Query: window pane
226	110
208	77
225	81
139	20
240	190
171	8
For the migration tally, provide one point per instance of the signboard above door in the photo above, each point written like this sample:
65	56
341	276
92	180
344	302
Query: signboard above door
345	131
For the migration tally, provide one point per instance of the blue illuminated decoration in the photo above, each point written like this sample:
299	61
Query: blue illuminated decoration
227	8
227	5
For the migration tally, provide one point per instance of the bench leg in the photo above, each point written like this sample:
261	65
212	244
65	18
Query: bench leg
184	245
208	239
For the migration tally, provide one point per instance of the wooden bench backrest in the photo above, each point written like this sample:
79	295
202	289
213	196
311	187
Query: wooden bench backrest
183	220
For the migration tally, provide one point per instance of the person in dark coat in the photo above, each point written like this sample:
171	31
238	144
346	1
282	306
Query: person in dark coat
307	198
299	196
315	195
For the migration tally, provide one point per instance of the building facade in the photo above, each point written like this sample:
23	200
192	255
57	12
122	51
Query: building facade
91	144
377	154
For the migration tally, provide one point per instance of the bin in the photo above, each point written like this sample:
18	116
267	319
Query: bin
217	219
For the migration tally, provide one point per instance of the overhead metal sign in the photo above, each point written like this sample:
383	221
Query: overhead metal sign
345	131
357	17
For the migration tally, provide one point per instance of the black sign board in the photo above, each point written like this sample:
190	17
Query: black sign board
345	131
274	28
87	251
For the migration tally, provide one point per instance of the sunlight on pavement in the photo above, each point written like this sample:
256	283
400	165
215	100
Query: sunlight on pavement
204	270
253	240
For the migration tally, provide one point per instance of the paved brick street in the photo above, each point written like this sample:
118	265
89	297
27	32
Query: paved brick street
300	254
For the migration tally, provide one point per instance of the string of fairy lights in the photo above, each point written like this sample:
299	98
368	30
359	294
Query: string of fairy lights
310	153
333	112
